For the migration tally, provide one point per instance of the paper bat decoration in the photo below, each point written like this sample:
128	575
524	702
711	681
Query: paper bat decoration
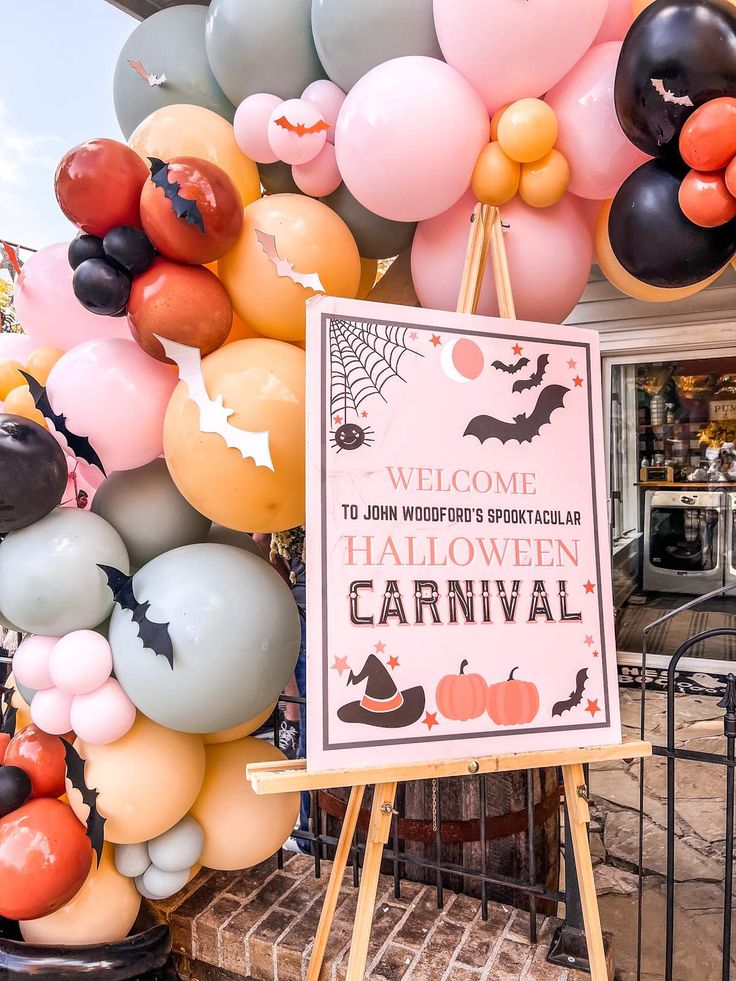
9	712
155	636
670	97
213	414
12	257
95	821
285	269
299	128
184	208
79	445
511	369
149	76
523	428
576	696
535	380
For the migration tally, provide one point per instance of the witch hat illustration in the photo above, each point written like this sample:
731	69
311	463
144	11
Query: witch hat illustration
382	705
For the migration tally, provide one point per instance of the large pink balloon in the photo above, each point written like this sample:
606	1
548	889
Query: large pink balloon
113	393
408	137
47	308
550	254
600	156
511	49
619	18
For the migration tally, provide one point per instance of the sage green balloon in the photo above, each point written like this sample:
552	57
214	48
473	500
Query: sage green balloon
262	46
148	512
24	691
376	237
50	582
220	535
353	36
277	178
235	633
179	848
132	860
170	43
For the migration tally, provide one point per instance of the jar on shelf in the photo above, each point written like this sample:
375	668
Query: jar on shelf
657	410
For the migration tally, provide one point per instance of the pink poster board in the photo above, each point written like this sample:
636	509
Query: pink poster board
459	583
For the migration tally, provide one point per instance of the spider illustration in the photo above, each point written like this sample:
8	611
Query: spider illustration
351	436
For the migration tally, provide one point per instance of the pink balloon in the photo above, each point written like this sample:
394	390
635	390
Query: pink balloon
590	208
47	308
320	176
590	136
619	18
251	126
17	347
51	711
80	662
31	662
111	392
297	131
83	482
513	49
329	98
408	137
102	716
550	254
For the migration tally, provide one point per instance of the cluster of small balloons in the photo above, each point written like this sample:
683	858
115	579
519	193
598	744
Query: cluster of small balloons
163	865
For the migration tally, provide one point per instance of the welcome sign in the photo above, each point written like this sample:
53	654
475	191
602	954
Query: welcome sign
459	585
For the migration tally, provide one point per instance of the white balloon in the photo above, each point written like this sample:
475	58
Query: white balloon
179	848
132	860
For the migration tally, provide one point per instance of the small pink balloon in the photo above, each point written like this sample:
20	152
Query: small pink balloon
328	97
51	711
31	662
80	662
408	137
47	308
550	254
16	347
111	392
590	136
104	715
251	126
320	176
619	18
297	131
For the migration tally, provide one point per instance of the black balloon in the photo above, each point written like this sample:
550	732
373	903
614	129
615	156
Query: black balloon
15	789
85	247
677	55
100	287
129	248
33	473
652	238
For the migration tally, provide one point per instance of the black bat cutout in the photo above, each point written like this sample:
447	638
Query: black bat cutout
155	636
183	207
576	696
523	428
9	713
511	369
534	380
79	445
95	821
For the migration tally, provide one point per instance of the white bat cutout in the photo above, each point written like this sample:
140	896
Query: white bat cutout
213	414
150	77
667	96
284	268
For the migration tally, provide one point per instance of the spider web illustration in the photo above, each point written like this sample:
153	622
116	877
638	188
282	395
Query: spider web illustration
364	357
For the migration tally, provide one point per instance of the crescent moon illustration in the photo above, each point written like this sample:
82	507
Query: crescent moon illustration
462	360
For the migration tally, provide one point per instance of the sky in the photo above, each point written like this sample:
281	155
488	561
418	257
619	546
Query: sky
56	70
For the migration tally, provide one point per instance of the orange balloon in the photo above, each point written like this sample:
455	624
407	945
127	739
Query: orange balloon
240	331
20	402
10	376
705	200
290	229
730	176
708	138
368	273
192	131
239	732
41	361
543	183
496	177
527	130
263	382
495	118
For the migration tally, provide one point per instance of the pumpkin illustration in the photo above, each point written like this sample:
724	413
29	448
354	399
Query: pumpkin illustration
513	702
462	696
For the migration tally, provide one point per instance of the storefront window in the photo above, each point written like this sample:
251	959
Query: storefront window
672	474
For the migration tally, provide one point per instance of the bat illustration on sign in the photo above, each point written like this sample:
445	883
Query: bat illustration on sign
155	636
670	97
150	77
184	208
95	821
79	445
576	696
534	380
285	269
523	428
299	128
9	712
511	369
213	414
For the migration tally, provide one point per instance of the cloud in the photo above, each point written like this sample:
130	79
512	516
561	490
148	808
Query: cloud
21	153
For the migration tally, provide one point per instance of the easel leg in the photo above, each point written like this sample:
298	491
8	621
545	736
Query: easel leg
378	832
579	816
342	854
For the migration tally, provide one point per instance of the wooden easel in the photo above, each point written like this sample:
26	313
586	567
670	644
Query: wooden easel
486	236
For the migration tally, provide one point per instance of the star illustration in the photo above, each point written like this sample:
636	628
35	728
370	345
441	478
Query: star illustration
589	587
592	707
380	647
435	340
578	381
340	665
595	654
413	335
572	364
430	719
393	662
364	414
517	349
589	640
338	420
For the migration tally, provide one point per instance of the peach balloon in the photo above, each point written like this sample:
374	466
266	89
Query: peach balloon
496	176
41	361
368	274
240	828
543	183
527	130
239	732
10	376
146	781
20	402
